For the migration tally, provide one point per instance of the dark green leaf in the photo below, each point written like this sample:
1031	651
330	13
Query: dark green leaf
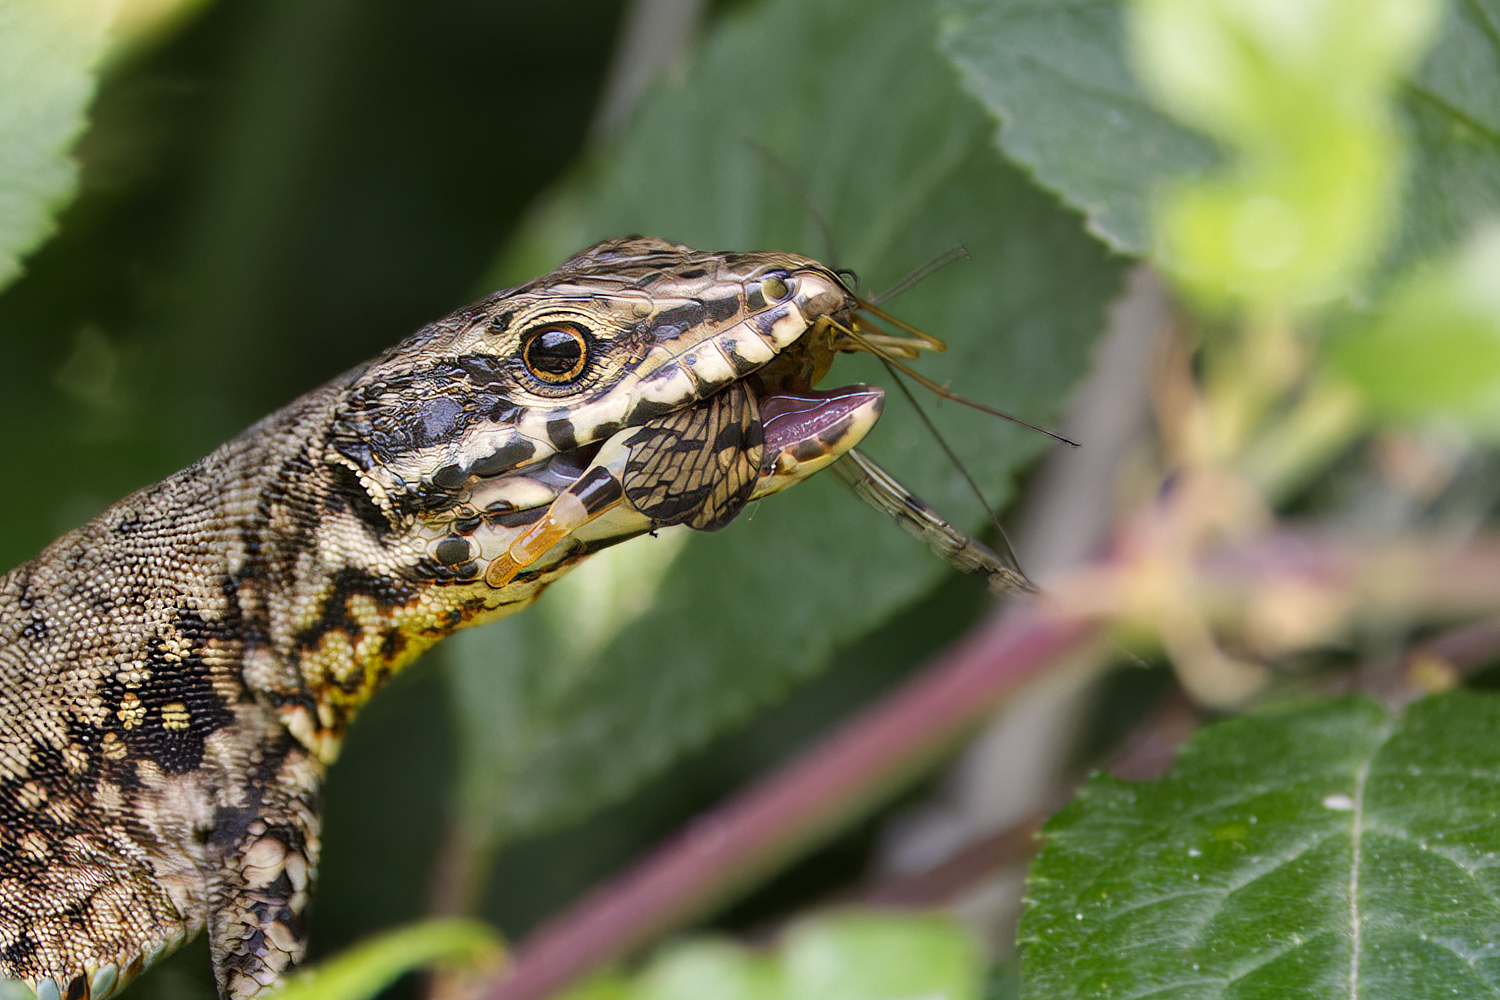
1452	109
1070	110
1332	851
1003	981
644	653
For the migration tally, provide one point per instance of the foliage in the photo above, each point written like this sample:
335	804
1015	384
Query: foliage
907	172
1335	849
840	956
1319	187
365	970
48	51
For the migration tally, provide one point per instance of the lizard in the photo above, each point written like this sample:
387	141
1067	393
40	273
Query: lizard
177	675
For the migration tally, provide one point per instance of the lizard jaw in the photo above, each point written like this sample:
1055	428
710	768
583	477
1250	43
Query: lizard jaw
803	432
809	429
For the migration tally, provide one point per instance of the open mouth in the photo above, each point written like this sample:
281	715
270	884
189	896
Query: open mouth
807	429
696	465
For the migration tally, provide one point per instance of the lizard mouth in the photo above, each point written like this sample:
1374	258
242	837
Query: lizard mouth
697	464
808	429
608	492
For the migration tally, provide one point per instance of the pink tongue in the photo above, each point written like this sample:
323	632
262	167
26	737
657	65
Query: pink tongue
801	416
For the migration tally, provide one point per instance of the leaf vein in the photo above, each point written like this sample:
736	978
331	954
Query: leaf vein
1487	26
1443	107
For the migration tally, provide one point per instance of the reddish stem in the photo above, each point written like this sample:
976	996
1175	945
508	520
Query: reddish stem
732	844
728	846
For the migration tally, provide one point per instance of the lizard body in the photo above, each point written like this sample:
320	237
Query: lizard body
176	675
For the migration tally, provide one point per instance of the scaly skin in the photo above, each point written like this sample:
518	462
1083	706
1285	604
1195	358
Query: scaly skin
176	675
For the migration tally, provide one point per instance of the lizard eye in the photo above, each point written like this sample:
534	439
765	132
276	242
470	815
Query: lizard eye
555	353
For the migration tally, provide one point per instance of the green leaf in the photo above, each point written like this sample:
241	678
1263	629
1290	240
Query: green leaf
645	652
368	968
853	955
1452	110
1057	79
1303	97
48	49
1336	850
1003	982
710	968
881	956
1070	110
1434	347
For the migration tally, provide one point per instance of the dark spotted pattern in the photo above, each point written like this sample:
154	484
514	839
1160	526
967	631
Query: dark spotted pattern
172	698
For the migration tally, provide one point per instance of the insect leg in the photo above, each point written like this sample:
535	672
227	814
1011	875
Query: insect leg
960	549
594	493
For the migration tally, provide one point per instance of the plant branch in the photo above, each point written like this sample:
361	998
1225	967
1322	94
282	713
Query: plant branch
731	845
726	848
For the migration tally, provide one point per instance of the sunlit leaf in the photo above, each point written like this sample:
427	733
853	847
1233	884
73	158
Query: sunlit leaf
1057	79
1337	850
1302	98
366	969
48	49
844	956
1433	349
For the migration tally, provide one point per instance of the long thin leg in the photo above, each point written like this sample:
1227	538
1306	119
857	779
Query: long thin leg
962	550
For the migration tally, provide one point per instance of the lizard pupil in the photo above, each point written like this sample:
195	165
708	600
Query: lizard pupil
555	354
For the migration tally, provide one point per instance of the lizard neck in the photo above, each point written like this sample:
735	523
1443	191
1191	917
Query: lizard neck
330	607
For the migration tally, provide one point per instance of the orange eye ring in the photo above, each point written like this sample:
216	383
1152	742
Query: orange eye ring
556	353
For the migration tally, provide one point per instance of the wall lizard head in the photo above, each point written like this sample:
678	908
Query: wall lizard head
479	423
641	384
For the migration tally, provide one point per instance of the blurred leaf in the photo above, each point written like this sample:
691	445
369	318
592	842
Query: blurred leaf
626	664
368	968
710	968
881	956
140	23
1070	109
1452	108
1331	851
1056	77
845	956
48	49
1303	96
1434	348
1003	982
1244	70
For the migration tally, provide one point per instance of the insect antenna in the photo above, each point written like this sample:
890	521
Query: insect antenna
927	342
937	436
793	180
956	252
